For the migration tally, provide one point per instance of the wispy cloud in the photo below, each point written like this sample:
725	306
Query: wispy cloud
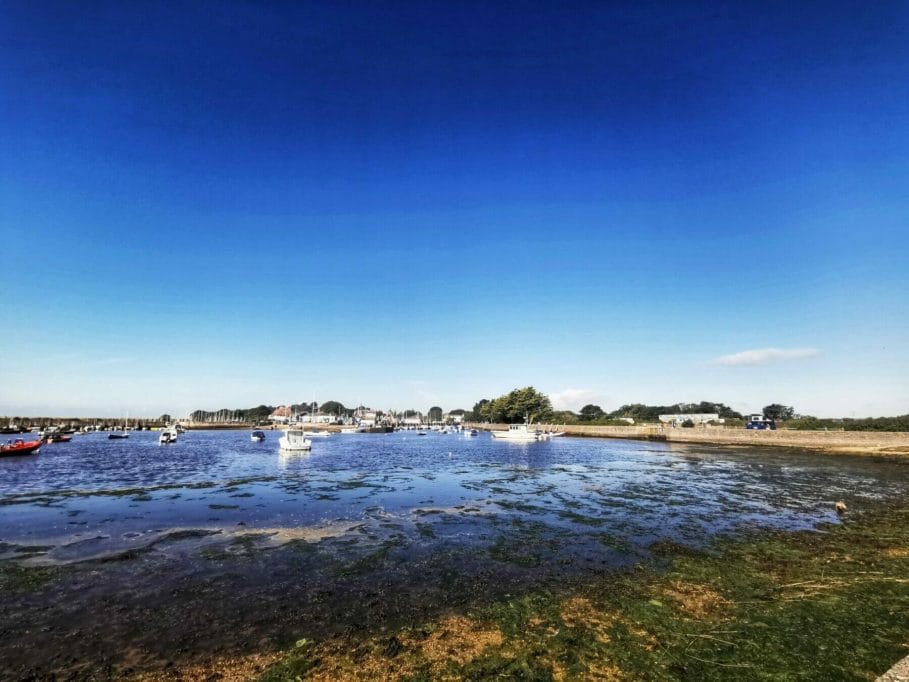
572	398
765	356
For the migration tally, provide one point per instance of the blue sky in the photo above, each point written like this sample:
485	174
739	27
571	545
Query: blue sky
218	205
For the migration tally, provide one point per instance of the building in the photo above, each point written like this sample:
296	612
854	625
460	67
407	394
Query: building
319	418
679	419
281	415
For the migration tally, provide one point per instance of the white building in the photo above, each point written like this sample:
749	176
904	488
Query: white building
679	419
281	415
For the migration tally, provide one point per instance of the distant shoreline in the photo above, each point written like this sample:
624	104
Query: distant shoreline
833	442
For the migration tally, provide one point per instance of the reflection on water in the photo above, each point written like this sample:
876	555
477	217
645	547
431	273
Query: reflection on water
94	497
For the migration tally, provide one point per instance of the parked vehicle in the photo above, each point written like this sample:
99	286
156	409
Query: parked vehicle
760	423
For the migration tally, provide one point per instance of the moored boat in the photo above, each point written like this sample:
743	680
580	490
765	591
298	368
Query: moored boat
519	433
378	429
20	447
257	436
294	440
57	438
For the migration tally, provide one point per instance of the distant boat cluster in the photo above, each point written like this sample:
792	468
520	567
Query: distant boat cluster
294	438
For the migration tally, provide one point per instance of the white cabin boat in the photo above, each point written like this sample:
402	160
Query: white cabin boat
520	433
168	435
295	440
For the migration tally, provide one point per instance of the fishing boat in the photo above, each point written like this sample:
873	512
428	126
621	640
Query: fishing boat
257	436
167	436
295	440
518	433
378	429
20	447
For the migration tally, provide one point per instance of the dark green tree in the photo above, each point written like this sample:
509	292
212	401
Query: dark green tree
520	404
480	412
591	412
778	412
333	407
435	414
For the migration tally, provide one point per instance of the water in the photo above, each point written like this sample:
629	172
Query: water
604	501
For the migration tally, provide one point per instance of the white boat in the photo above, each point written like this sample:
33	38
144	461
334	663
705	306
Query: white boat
168	435
349	430
318	434
519	433
295	440
257	436
470	433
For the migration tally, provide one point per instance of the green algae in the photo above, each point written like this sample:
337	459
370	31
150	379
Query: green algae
373	560
16	578
831	604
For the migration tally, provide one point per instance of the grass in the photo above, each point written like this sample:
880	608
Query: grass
826	605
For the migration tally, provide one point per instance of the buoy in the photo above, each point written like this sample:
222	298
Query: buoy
840	507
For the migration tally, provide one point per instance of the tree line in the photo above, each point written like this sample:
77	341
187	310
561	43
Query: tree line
529	403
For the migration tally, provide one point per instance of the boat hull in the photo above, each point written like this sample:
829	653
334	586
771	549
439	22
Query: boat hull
29	448
529	438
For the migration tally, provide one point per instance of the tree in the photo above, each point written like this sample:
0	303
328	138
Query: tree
480	412
164	418
591	412
515	407
779	413
333	407
435	414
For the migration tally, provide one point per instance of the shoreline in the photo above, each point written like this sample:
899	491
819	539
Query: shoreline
883	443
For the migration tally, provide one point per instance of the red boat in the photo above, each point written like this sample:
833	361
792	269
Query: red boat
20	447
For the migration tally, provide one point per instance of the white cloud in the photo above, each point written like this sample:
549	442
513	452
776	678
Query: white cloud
765	356
572	399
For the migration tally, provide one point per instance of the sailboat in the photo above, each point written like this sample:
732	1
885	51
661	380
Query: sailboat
316	433
120	434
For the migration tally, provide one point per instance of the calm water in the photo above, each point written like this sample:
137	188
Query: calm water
94	496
